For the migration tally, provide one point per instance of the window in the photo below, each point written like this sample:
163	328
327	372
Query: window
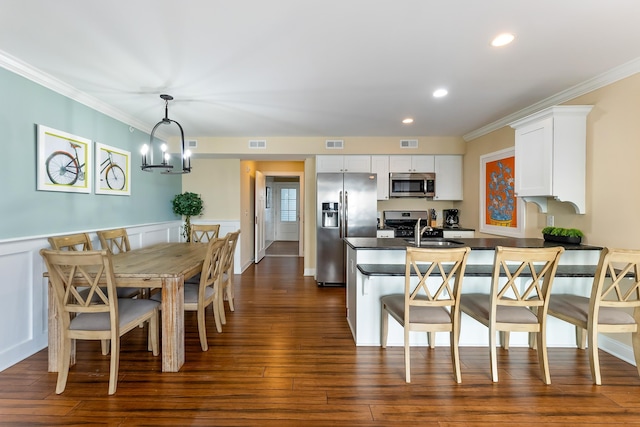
288	204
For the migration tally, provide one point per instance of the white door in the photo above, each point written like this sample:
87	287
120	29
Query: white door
287	199
260	196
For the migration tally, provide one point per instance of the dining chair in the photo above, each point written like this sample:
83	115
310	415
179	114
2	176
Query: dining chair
97	314
521	283
116	240
71	242
226	284
430	302
197	297
202	233
615	290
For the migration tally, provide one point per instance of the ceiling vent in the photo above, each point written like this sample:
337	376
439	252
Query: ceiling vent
258	143
408	143
334	144
192	143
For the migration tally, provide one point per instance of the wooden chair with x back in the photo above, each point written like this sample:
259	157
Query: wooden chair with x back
202	233
430	302
518	300
615	290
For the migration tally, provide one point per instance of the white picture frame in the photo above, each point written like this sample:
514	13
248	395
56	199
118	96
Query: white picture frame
113	170
63	161
501	212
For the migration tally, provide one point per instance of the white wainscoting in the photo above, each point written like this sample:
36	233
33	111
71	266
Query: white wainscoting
24	290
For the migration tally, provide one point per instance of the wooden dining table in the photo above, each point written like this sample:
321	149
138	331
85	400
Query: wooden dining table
162	266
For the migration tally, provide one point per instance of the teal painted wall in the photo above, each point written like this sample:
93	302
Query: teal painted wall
24	211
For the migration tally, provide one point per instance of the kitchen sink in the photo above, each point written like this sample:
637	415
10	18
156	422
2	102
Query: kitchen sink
436	242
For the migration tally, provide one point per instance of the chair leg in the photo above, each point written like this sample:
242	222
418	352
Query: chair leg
635	340
202	329
153	339
504	339
216	315
229	290
384	330
492	355
104	345
407	355
581	338
455	354
594	358
431	339
223	317
115	363
543	359
64	360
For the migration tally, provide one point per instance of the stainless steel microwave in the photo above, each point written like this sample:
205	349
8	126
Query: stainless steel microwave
412	184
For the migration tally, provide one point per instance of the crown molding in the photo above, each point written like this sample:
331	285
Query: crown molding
29	72
604	79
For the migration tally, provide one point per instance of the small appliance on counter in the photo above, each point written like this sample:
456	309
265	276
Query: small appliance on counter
404	223
450	218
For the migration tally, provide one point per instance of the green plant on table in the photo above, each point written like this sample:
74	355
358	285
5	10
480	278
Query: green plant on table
187	204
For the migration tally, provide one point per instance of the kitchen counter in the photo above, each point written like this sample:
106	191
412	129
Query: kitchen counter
375	267
488	243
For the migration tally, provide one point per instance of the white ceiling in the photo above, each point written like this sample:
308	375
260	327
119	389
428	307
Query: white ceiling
319	68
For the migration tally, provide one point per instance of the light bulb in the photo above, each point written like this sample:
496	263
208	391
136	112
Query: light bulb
144	150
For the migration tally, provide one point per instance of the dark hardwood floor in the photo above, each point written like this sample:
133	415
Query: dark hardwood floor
286	358
282	248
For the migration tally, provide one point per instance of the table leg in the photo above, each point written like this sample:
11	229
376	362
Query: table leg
172	324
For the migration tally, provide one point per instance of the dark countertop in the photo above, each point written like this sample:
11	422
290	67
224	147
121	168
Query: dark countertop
475	243
472	270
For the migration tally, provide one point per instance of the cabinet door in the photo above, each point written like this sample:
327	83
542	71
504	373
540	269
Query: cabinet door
457	234
448	177
329	164
357	163
400	164
380	166
534	159
423	163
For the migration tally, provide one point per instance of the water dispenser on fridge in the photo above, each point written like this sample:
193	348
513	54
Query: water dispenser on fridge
329	214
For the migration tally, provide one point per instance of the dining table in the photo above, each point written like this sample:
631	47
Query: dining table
163	266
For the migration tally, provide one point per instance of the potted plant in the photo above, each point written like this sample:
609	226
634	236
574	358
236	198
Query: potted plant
187	204
562	235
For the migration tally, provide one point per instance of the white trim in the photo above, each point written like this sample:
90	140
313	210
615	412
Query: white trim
29	72
621	72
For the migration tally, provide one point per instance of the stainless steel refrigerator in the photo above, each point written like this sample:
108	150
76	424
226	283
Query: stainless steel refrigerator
346	207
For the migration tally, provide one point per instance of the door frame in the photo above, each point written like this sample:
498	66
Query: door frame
300	176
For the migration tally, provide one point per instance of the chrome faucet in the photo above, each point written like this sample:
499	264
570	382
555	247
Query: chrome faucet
417	234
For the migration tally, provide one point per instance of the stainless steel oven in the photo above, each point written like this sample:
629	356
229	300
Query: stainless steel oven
412	184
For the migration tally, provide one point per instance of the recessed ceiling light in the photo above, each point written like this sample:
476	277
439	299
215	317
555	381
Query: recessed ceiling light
407	121
503	39
440	93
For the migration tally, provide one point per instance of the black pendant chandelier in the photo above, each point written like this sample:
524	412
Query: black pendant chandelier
147	164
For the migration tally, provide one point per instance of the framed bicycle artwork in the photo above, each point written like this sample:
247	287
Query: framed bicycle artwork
63	161
113	170
501	212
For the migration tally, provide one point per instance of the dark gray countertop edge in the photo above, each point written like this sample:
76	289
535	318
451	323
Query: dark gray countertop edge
472	270
474	243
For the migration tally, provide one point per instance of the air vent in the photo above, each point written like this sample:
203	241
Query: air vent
334	144
257	143
192	143
408	143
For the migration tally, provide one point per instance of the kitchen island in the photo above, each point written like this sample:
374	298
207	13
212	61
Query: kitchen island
375	267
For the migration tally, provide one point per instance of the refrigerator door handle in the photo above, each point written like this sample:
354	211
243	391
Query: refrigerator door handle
346	213
340	216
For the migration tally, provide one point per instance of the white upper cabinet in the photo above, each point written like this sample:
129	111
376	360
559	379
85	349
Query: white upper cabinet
380	166
550	151
343	163
399	164
448	170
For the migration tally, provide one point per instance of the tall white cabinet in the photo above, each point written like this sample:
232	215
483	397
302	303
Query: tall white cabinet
380	166
448	170
550	151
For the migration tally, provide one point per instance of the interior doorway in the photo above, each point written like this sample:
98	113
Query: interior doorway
279	226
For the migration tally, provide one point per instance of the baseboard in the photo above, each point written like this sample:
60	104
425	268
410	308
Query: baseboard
310	272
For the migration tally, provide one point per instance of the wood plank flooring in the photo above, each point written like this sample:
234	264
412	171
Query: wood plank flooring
286	358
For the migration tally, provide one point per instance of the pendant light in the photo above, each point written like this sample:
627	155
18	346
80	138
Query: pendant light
147	164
